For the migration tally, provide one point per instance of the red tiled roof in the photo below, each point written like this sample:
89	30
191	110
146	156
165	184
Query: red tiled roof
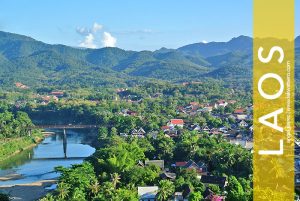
239	111
177	121
165	127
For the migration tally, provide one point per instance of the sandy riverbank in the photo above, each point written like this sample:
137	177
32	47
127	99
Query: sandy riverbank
12	176
28	192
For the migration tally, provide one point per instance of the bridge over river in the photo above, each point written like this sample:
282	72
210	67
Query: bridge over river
64	127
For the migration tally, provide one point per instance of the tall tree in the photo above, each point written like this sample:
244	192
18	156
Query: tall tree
166	190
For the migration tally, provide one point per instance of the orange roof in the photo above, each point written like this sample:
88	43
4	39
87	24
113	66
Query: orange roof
177	121
165	127
239	111
194	103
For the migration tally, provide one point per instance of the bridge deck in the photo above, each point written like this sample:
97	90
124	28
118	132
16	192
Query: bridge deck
65	126
60	158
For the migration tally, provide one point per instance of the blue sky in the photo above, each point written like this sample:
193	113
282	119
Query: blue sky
131	24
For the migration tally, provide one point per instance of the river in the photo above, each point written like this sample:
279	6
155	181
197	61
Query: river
55	150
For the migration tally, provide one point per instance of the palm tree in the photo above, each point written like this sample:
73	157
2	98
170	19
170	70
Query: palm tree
166	189
94	187
115	179
63	190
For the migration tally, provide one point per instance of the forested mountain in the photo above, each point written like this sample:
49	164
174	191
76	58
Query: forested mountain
34	63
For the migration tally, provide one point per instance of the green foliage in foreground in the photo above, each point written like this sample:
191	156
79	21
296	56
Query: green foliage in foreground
14	133
113	172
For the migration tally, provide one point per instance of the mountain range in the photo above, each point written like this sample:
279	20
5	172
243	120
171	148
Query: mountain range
34	63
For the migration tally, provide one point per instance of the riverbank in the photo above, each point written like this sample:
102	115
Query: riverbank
11	177
16	145
29	191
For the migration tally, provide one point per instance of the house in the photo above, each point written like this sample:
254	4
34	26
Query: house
165	128
172	133
127	112
124	135
205	129
209	195
194	104
239	111
200	167
194	127
140	163
207	108
176	122
168	175
241	116
57	93
138	133
220	103
243	124
223	129
21	86
209	179
244	143
159	163
213	197
147	193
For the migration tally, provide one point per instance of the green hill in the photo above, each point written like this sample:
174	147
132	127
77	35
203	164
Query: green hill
34	63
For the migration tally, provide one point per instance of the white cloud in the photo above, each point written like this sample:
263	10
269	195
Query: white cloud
85	31
91	37
89	42
96	27
82	31
204	41
108	40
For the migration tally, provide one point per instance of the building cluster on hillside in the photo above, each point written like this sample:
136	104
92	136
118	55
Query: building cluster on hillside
147	193
239	131
52	96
